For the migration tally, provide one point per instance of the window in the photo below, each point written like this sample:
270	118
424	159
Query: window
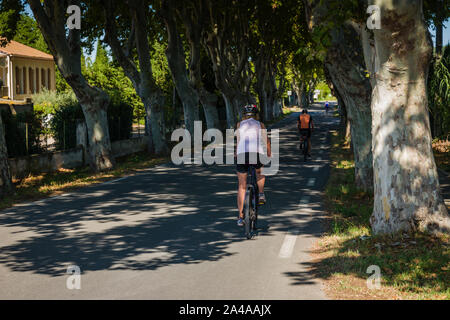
49	79
17	80
31	80
43	80
37	81
24	80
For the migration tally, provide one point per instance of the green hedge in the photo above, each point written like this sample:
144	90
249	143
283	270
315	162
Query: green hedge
120	121
439	95
16	129
64	123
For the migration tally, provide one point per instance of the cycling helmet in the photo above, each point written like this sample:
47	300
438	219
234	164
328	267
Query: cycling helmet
250	109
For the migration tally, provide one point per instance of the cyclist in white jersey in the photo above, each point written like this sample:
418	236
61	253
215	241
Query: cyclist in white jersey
251	139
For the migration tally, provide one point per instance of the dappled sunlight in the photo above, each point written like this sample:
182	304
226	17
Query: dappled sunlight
162	216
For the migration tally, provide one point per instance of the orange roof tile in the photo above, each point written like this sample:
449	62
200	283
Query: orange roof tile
17	49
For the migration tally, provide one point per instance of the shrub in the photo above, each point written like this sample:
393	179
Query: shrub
64	125
439	94
16	129
49	101
120	121
66	118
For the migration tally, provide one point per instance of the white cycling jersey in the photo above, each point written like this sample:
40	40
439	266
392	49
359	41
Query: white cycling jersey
250	137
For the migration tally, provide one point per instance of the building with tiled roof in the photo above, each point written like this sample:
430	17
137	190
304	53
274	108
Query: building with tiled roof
24	71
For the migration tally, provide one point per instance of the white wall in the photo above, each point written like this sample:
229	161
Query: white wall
27	88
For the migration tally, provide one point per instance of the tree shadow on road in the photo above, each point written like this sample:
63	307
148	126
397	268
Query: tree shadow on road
144	225
166	216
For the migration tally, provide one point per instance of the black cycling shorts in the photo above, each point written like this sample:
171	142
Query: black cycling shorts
243	167
305	132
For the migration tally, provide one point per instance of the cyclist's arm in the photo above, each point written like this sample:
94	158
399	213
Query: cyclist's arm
265	137
312	124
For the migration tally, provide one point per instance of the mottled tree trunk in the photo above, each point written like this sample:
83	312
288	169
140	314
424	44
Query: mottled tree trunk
345	64
239	101
439	24
298	88
261	84
153	102
94	103
148	87
407	191
229	109
193	19
345	122
272	92
66	49
145	85
225	39
177	64
209	103
6	185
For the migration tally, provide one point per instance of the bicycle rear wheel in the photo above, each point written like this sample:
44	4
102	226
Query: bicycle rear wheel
247	209
305	151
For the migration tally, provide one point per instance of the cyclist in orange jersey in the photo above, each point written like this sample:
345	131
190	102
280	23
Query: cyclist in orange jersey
305	126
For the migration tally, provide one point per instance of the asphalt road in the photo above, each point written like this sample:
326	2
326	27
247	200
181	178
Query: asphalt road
170	233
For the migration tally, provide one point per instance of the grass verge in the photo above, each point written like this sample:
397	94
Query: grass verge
286	112
36	187
413	266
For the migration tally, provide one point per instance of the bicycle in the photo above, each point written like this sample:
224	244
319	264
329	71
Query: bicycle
251	203
304	145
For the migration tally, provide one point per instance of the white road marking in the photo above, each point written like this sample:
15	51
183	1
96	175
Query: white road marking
288	245
311	182
117	180
305	200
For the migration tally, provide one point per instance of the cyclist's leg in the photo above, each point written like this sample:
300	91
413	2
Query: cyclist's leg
242	178
302	138
261	180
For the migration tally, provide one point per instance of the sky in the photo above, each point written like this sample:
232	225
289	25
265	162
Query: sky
446	36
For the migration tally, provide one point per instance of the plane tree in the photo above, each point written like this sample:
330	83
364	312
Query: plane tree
406	187
436	13
184	24
66	46
337	24
226	40
272	28
346	66
9	16
6	185
193	16
407	190
128	27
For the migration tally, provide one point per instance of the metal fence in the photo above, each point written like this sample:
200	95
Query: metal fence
28	138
